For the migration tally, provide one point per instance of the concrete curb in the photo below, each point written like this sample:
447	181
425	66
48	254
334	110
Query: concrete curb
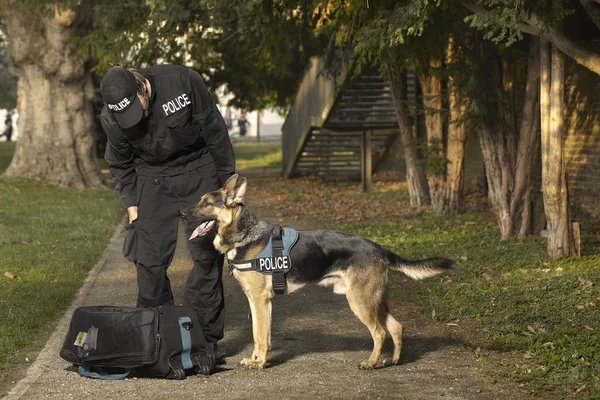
54	343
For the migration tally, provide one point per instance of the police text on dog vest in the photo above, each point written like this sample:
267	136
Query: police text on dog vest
273	264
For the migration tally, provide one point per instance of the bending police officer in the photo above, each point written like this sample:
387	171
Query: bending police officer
167	145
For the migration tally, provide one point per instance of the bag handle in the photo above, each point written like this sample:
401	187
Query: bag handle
85	371
185	323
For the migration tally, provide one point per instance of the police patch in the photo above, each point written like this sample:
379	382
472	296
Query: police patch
176	104
265	262
267	265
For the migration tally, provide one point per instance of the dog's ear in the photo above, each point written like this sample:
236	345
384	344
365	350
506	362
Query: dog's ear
236	191
230	183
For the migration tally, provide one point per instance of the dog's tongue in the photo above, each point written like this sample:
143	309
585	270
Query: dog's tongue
202	230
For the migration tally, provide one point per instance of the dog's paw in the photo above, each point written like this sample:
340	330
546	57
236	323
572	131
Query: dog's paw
252	364
366	365
245	361
389	361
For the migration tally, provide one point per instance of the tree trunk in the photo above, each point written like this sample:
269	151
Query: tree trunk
509	158
521	202
554	185
431	87
55	93
499	176
457	135
415	174
507	106
508	164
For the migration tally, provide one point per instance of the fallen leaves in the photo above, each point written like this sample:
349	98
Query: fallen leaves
585	282
342	202
583	362
487	276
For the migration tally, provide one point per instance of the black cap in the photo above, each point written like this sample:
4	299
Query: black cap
119	93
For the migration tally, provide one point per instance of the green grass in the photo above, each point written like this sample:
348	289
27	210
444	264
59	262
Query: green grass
49	239
257	155
7	150
538	318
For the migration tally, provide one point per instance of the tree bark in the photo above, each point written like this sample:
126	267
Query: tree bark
431	86
521	201
509	162
415	174
457	135
554	186
55	92
499	176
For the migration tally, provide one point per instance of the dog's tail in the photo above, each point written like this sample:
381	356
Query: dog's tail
423	268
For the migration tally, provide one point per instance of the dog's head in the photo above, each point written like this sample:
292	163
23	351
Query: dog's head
218	207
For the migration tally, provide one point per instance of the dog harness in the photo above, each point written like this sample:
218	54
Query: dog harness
274	259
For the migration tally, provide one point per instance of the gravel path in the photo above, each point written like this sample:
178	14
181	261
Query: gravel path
317	345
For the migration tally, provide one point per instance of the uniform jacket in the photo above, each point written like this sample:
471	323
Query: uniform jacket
184	130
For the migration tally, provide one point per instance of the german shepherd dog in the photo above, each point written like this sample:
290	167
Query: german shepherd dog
351	264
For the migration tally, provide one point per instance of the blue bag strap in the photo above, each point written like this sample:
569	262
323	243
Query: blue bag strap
85	371
186	341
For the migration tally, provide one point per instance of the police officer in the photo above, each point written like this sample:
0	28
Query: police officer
167	145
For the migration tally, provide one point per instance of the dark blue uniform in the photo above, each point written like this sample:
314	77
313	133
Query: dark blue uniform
164	164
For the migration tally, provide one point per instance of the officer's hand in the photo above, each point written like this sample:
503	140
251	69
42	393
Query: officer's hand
132	213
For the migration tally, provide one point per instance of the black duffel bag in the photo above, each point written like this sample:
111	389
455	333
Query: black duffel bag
110	342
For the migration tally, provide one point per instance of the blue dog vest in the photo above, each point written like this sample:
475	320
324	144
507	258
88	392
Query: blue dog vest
274	259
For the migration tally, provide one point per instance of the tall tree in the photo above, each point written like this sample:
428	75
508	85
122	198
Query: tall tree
415	173
546	20
431	87
55	91
444	112
508	139
394	36
554	179
505	22
457	135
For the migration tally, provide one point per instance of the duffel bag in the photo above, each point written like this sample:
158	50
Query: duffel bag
116	342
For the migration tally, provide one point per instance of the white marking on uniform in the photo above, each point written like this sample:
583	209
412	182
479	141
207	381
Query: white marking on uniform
120	105
176	104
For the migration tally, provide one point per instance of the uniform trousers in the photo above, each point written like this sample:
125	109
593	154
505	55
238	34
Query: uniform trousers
161	200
